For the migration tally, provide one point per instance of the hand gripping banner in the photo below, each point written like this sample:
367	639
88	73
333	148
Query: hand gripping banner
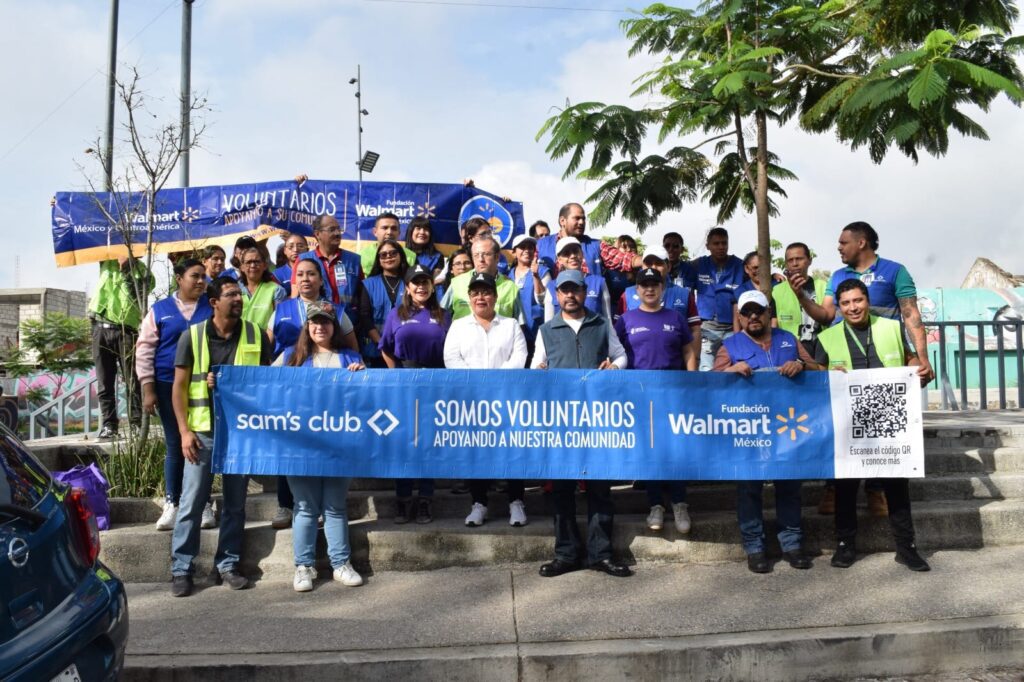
567	424
91	227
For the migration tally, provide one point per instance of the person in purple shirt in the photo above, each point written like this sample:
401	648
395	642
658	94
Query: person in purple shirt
656	337
412	338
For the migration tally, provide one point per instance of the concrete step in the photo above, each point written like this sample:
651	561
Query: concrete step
139	553
875	620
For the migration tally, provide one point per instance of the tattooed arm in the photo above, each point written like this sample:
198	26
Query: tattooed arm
915	328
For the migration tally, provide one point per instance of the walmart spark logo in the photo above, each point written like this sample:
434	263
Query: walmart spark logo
792	423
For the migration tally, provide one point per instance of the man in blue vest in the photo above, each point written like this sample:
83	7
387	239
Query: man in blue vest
224	339
715	278
597	255
758	347
578	338
340	269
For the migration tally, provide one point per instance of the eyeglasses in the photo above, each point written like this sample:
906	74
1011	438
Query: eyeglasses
752	311
252	263
387	255
480	293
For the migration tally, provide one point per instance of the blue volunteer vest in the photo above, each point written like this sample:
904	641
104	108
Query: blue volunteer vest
533	312
170	324
591	252
348	356
431	261
674	298
880	279
289	316
716	288
595	287
743	348
378	293
346	272
283	275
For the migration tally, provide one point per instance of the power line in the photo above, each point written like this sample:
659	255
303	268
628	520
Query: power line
86	82
502	6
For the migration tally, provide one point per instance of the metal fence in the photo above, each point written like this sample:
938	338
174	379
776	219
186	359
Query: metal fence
975	359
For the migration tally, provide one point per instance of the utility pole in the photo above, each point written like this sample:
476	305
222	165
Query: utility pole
108	133
360	112
186	87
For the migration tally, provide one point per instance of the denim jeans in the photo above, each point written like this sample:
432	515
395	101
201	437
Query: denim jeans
656	492
195	493
174	461
315	495
404	486
600	515
749	511
711	338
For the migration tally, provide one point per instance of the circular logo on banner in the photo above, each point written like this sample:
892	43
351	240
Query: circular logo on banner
496	215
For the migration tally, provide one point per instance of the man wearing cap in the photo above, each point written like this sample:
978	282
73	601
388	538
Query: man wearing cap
715	278
340	269
865	341
682	299
531	279
486	340
224	339
386	226
658	337
758	347
578	338
572	222
484	252
570	257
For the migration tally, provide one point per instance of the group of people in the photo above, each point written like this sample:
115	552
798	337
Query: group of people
559	299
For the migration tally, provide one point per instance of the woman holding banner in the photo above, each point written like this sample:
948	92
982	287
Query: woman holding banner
260	293
154	364
320	344
413	338
382	291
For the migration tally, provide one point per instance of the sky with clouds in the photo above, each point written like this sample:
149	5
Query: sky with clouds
453	92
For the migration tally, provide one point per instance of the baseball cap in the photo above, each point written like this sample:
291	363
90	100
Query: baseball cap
321	309
656	251
521	239
648	275
483	279
564	242
574	277
418	270
753	296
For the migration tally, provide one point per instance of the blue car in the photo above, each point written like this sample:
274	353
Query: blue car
63	614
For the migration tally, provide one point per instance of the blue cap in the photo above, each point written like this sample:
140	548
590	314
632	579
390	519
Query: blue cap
569	277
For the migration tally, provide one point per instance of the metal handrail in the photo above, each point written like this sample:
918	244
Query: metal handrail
984	346
60	402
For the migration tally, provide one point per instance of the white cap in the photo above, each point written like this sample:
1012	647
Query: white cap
753	296
657	251
522	238
564	242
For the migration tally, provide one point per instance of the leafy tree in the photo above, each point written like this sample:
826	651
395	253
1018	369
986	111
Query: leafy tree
879	74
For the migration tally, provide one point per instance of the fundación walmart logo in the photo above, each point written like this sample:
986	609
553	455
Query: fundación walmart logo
792	423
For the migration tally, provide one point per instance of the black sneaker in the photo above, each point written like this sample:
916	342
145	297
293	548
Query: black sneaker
107	433
908	556
234	579
181	585
403	509
423	513
460	487
845	555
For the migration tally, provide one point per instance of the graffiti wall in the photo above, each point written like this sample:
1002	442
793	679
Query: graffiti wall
24	395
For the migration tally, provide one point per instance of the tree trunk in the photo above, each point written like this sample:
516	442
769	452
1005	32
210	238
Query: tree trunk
764	252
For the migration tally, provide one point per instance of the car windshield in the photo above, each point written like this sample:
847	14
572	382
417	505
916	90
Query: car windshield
23	481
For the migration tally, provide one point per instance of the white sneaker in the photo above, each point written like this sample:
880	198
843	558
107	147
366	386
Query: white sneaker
168	517
304	576
656	519
477	515
679	511
516	513
209	518
346	575
282	518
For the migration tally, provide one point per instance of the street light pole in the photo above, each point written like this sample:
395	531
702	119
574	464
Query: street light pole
186	88
359	119
108	132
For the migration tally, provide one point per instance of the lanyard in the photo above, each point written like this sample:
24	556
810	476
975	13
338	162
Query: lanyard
850	333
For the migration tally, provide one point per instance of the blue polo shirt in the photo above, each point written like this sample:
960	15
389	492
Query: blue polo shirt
716	287
887	282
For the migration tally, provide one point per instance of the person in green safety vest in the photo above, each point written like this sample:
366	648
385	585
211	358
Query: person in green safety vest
790	315
260	291
386	226
485	252
224	339
865	341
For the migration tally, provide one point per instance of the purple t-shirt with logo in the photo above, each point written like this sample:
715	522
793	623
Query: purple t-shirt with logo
653	340
418	341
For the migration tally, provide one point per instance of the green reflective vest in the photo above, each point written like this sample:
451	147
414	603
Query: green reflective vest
258	307
506	305
885	335
200	411
787	305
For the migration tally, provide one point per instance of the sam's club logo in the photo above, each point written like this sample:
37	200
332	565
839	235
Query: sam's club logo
491	210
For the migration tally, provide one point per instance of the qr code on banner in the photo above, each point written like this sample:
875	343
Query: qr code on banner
879	410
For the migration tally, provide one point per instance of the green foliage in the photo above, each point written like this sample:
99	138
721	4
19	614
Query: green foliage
136	468
56	344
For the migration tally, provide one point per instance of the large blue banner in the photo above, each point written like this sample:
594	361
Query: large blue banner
567	424
91	227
